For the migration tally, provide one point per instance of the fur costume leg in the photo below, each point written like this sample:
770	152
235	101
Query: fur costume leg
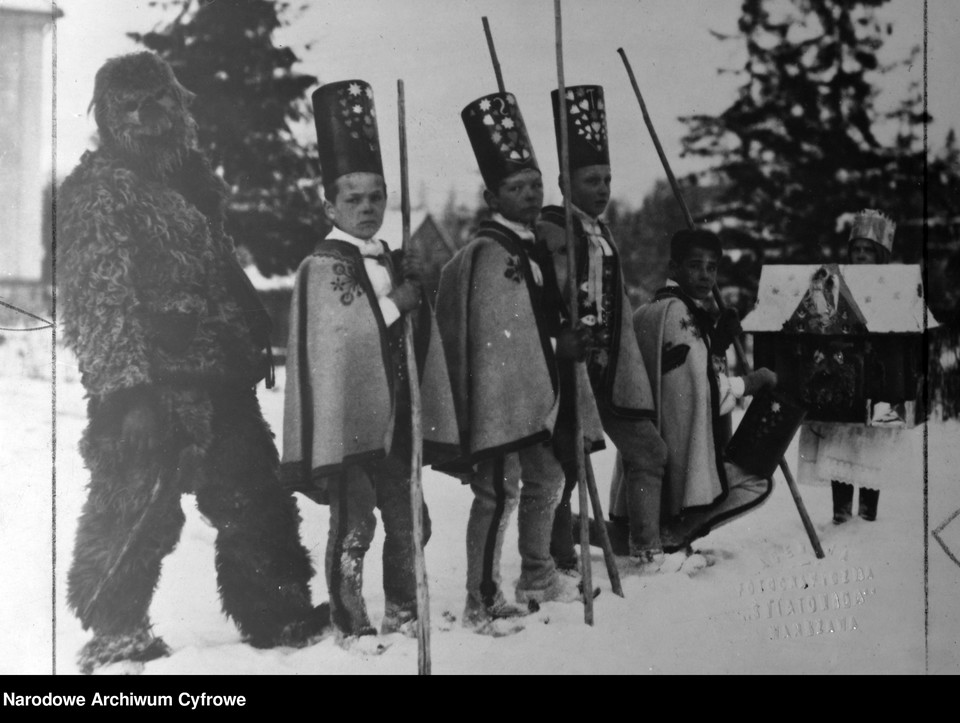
263	570
123	534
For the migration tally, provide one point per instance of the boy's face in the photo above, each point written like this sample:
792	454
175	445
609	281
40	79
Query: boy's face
590	189
359	206
696	273
863	251
519	198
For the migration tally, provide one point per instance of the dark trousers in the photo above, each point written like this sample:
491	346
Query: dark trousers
643	455
529	479
353	495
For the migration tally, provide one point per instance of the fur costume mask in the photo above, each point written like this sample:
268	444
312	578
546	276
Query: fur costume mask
143	113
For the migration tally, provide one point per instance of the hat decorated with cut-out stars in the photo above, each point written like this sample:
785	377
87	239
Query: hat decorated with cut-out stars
499	138
347	137
586	125
874	226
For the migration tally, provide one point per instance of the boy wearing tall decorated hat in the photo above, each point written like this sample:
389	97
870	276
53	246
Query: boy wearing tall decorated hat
347	423
500	323
617	375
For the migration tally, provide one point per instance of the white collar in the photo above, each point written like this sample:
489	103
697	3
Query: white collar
524	232
584	216
701	304
368	247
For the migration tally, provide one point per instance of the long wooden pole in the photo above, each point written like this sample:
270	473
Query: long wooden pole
416	436
493	54
608	557
738	348
585	566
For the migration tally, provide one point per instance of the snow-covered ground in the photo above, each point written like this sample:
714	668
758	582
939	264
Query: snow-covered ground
867	606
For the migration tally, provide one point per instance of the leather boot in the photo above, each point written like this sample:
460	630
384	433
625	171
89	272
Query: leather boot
868	503
842	501
348	610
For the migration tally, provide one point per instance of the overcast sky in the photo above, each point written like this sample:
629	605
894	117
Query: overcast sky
438	48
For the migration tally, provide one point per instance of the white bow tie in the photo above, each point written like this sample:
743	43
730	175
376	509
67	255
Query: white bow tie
372	248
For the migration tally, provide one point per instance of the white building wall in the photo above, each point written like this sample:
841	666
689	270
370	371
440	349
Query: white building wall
23	27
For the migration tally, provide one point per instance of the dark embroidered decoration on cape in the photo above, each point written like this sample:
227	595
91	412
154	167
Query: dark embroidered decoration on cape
514	269
688	323
346	282
673	357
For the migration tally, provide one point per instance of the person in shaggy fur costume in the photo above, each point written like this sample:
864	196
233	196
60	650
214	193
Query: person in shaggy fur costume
171	341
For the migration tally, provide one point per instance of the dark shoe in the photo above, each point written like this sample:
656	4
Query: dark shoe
842	501
476	615
561	589
139	646
306	630
618	532
868	503
400	618
348	609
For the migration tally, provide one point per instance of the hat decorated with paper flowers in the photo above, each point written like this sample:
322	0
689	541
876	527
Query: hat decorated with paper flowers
499	138
874	226
586	125
346	121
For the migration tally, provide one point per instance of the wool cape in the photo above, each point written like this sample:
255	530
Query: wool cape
674	341
497	323
347	395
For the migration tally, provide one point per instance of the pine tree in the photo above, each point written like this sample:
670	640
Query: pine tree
798	147
249	100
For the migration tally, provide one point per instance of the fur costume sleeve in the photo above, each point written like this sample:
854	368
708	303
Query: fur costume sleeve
504	385
97	285
679	365
625	385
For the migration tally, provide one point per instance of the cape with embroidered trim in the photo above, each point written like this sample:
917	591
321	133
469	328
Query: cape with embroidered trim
347	395
676	353
496	324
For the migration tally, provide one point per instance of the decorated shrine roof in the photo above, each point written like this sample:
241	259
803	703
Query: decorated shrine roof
840	299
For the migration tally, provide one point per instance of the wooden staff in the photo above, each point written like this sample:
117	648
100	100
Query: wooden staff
586	572
416	428
493	53
738	348
608	557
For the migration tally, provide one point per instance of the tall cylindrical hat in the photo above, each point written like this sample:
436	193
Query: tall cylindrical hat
499	137
586	125
347	138
875	226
